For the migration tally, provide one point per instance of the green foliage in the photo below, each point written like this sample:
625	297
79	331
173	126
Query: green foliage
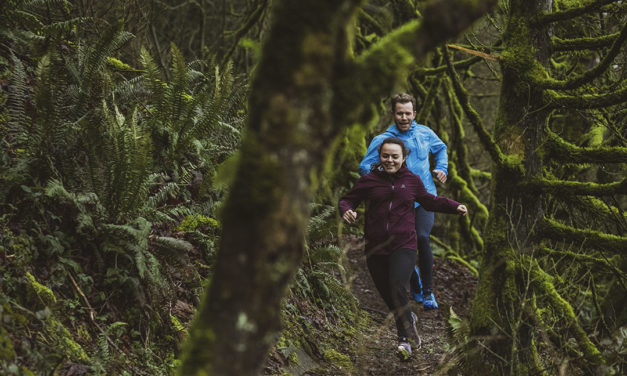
128	166
192	222
99	162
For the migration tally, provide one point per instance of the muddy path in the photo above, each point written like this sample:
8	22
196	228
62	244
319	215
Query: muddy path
454	286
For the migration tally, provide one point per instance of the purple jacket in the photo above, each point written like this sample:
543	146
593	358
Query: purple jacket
390	208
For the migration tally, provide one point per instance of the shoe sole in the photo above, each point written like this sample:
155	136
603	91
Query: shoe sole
403	354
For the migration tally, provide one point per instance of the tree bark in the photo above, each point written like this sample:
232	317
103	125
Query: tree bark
506	318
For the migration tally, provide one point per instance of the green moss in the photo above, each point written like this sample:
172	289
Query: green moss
293	358
192	222
337	358
83	333
484	303
562	5
558	148
26	372
552	229
177	324
64	341
564	311
45	295
117	64
7	352
510	288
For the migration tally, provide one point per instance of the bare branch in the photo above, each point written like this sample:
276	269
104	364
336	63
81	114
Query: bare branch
250	22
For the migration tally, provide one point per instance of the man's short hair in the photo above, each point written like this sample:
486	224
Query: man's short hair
403	98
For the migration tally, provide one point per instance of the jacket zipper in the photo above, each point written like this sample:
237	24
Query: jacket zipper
387	225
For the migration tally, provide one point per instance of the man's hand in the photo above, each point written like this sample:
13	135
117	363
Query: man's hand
349	216
440	175
462	210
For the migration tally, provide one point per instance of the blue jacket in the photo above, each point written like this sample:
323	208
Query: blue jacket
421	141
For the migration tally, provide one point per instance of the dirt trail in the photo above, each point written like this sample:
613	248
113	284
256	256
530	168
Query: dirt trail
454	286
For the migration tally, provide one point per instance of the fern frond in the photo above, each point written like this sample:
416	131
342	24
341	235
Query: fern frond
162	195
130	162
170	243
63	27
46	3
93	61
16	104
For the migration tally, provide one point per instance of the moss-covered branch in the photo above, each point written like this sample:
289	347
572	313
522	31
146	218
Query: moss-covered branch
461	64
588	100
466	195
459	141
547	18
551	229
584	43
388	61
475	120
575	256
556	148
454	255
476	173
559	188
589	75
612	217
543	284
427	104
371	22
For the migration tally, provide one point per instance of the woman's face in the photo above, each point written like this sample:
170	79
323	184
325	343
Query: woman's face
391	157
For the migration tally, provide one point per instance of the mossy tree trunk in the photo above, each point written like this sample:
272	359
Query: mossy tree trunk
308	87
518	313
517	132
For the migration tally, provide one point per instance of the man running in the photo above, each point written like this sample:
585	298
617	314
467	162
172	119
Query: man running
421	141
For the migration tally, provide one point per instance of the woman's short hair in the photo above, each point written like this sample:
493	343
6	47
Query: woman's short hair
397	141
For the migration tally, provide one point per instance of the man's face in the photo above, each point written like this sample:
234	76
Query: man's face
404	115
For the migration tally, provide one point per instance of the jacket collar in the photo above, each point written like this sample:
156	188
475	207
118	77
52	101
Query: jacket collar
393	129
379	170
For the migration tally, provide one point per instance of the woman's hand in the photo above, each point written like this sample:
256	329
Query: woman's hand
462	210
349	216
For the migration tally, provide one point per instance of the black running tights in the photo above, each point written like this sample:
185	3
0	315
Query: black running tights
390	274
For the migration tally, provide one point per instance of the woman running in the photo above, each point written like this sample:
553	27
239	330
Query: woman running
389	191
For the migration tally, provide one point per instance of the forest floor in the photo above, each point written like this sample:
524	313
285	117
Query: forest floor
454	287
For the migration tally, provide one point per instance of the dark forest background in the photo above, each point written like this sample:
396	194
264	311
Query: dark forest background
162	160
